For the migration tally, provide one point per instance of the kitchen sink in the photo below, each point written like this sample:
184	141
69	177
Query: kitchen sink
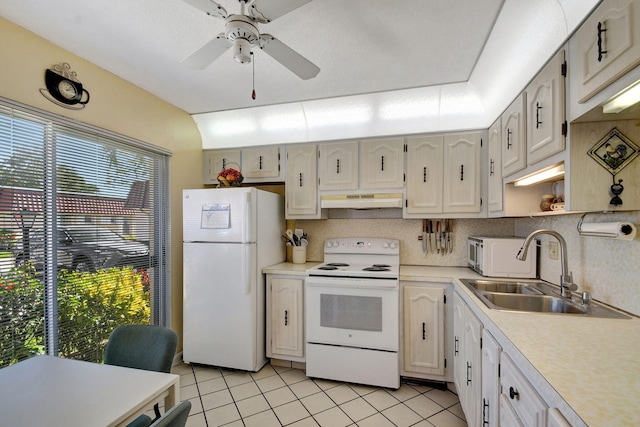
535	297
502	287
536	303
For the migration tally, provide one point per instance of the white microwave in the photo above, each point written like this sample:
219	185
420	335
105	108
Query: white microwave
496	257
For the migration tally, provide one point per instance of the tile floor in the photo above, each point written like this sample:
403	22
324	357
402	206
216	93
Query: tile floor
279	396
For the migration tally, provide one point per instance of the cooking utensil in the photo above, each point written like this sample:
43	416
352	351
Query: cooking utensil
424	236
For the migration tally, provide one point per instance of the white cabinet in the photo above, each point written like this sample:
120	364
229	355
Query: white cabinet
546	126
382	163
217	160
467	360
424	329
462	173
444	174
425	156
261	164
517	393
495	188
514	136
490	380
285	330
301	188
338	166
373	164
608	45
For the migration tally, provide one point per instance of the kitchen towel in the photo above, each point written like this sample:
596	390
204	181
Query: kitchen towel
615	230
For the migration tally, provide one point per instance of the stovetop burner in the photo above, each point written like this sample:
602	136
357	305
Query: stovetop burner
376	268
381	265
337	264
327	267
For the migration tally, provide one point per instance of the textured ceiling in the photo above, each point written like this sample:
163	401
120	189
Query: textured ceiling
361	46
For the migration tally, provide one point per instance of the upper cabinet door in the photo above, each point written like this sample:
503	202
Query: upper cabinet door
382	163
494	168
514	137
608	45
462	172
425	156
301	186
217	160
261	162
546	126
338	166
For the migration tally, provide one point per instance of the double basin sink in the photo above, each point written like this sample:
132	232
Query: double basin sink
536	297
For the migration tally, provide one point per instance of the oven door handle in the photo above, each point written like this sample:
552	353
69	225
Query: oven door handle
357	285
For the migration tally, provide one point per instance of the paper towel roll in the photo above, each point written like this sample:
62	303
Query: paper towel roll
615	230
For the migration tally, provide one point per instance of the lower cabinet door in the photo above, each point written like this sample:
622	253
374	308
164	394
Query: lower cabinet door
508	417
424	329
286	319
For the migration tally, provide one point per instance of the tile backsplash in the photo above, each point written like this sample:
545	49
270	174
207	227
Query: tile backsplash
608	268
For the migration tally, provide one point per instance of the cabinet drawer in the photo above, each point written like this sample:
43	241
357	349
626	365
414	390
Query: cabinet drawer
526	402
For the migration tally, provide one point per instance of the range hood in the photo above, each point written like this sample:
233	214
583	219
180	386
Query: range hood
361	201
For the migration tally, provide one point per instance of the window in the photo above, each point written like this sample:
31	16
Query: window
84	235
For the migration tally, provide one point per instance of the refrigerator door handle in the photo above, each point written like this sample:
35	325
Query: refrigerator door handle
246	269
247	222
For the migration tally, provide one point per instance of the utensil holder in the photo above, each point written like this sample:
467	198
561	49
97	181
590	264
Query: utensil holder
299	254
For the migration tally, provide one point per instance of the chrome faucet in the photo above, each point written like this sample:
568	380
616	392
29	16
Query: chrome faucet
566	280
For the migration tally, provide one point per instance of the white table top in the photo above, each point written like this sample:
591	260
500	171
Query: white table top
55	392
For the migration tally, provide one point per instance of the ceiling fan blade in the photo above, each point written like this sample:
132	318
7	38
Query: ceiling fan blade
288	57
272	9
207	53
209	7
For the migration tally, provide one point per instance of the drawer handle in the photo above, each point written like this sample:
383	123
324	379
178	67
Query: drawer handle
601	30
513	394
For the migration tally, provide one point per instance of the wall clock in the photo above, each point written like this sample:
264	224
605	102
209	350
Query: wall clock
63	87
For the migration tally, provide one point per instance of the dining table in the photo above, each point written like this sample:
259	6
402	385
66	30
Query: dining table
57	392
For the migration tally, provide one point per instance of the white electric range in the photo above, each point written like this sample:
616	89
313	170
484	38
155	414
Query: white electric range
351	312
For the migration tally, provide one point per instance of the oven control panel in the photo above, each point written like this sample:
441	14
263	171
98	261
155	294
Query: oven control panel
362	245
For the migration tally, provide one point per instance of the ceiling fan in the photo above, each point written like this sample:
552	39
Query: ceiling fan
241	32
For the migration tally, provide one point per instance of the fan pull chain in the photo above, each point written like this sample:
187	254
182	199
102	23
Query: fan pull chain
253	92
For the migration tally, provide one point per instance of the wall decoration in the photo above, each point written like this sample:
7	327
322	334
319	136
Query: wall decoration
64	88
614	152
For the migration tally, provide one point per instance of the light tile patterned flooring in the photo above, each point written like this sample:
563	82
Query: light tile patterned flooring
279	396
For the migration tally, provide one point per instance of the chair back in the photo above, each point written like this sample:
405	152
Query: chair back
175	416
148	347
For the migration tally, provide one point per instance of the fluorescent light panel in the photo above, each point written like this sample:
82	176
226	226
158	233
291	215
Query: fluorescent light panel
623	100
540	176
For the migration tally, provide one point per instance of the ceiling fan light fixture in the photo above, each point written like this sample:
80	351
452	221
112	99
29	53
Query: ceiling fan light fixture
242	51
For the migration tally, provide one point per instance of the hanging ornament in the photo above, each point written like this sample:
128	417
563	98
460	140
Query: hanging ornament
614	152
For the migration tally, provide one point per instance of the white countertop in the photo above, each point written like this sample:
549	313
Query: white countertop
587	367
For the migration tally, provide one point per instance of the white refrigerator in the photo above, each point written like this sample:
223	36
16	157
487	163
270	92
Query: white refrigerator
229	236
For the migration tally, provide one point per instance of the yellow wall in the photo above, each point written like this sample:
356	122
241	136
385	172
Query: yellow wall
115	105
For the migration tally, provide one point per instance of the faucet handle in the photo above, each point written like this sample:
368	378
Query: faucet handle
586	299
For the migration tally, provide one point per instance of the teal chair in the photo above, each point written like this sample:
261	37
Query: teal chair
147	347
174	417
